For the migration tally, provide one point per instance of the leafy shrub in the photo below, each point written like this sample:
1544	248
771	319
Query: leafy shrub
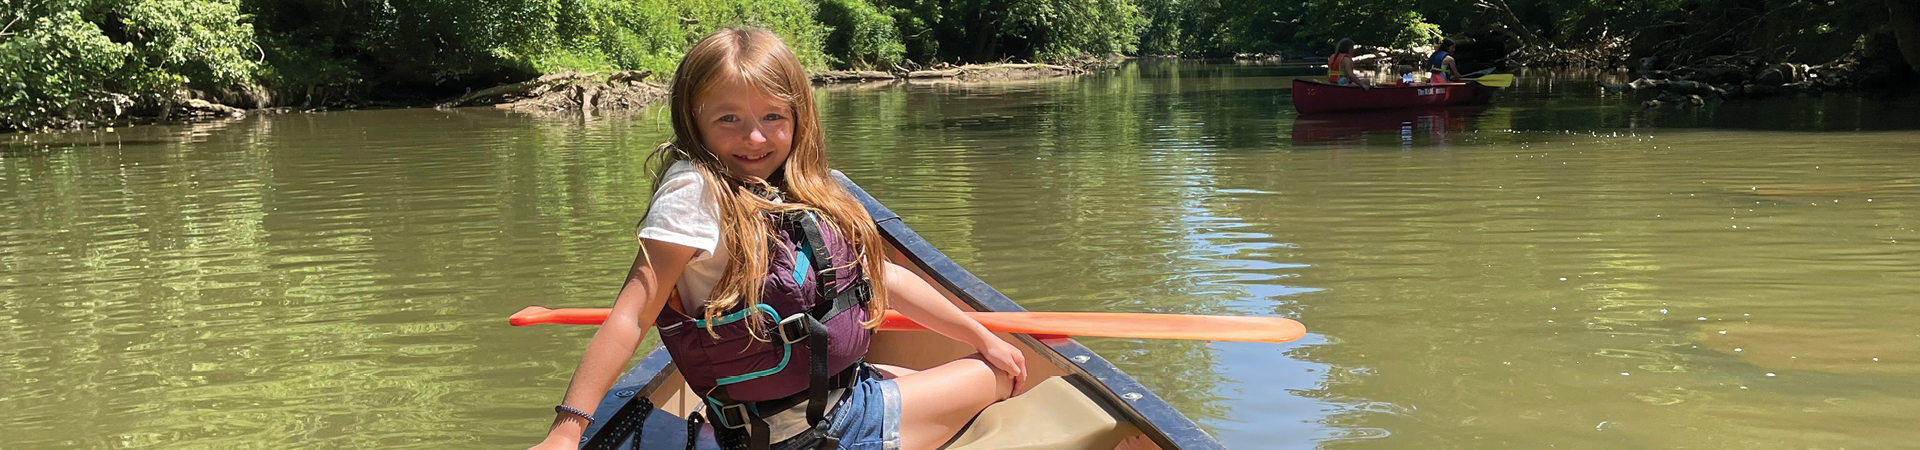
981	30
200	43
860	35
792	20
52	65
1060	29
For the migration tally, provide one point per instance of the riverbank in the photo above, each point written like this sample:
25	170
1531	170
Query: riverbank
634	89
562	92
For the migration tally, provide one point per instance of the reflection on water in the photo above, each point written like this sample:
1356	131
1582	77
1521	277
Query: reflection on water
1434	127
1560	269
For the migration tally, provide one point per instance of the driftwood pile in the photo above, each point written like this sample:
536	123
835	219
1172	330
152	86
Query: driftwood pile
1720	78
570	91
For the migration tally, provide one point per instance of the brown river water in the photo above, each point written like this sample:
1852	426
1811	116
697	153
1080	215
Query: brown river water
1562	269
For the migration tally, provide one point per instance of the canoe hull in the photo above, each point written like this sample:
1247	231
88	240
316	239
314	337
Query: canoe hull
1354	126
1316	97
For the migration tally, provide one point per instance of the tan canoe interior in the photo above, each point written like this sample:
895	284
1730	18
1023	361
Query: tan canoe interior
1052	414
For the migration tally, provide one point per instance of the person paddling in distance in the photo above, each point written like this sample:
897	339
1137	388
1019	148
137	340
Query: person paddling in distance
1340	70
750	250
1441	64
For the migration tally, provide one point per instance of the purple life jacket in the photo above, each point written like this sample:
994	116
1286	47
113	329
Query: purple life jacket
750	370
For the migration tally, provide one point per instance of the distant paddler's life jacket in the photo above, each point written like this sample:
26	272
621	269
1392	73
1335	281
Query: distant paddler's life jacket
1438	67
814	297
1334	74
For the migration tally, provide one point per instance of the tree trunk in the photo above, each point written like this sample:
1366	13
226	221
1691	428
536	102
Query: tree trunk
1905	18
1513	22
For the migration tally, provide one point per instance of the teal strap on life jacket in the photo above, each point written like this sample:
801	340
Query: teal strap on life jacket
786	350
786	354
737	315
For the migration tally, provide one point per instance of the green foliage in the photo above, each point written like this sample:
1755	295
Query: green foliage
201	43
71	54
52	64
601	35
60	54
861	36
1207	28
1771	29
986	30
1058	29
438	48
609	34
792	20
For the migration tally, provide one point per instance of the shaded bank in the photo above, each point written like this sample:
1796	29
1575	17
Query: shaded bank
74	63
78	63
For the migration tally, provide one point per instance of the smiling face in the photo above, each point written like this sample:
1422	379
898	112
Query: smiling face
749	131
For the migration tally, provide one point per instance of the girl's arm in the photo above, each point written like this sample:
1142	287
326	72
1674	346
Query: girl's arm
612	347
917	300
1353	73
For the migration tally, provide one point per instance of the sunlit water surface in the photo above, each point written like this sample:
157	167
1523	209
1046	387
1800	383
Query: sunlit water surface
1561	270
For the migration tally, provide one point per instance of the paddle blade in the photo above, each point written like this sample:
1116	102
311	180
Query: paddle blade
534	315
1144	326
1498	80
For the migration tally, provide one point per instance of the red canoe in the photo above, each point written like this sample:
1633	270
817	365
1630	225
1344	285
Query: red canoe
1316	97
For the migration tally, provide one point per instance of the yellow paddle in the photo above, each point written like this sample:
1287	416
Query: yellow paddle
1496	80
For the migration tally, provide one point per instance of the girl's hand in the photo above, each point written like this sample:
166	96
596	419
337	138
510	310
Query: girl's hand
1007	358
917	300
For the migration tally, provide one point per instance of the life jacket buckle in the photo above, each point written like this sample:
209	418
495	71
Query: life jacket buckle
793	329
734	416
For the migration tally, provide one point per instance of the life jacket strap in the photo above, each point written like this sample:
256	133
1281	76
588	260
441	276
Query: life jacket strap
800	326
807	225
817	383
826	281
732	419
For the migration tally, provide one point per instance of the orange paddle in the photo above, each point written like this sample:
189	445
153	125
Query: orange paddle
1123	325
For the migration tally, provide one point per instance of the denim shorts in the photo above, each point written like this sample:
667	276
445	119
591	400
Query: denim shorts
867	418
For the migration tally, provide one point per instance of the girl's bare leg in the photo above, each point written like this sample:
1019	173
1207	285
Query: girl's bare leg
935	403
888	372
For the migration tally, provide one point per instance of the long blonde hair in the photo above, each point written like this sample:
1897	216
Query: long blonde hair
759	57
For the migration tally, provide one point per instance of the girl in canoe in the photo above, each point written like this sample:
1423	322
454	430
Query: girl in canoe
766	279
1441	64
1340	70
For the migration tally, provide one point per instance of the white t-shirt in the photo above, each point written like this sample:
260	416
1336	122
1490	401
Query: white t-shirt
684	212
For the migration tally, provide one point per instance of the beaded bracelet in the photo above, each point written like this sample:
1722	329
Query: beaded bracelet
574	411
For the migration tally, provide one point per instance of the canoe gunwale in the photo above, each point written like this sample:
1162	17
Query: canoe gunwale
1105	383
